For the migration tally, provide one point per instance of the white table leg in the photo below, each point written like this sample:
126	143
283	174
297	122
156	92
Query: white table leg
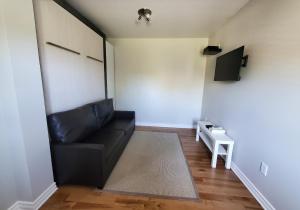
214	155
229	156
197	132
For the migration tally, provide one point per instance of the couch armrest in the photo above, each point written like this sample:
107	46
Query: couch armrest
124	114
78	163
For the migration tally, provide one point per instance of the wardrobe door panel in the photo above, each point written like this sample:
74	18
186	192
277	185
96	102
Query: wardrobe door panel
94	44
74	33
54	22
71	58
97	49
110	70
59	26
62	73
94	80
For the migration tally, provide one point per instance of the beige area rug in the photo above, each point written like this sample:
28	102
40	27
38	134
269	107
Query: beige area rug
153	163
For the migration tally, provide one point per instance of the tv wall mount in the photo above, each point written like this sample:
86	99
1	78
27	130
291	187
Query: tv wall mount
244	61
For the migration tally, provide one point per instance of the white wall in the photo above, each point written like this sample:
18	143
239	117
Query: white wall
70	80
161	79
7	182
25	155
261	112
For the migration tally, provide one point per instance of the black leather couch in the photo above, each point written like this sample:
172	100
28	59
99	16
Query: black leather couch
87	142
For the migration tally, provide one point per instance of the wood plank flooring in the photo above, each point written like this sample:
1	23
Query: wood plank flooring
219	189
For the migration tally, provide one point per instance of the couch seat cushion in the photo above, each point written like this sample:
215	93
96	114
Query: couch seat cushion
120	124
111	140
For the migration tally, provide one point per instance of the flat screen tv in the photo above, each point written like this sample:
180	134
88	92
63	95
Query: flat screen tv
228	65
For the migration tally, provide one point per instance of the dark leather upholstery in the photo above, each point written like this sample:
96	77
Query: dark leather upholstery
78	163
72	126
104	111
119	124
124	115
88	141
110	140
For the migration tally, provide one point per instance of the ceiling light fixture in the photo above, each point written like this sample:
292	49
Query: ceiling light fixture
144	13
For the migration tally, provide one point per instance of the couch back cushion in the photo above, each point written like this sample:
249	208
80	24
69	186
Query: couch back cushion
73	125
104	111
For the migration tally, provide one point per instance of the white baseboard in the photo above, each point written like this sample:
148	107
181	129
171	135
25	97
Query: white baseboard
164	125
251	187
37	203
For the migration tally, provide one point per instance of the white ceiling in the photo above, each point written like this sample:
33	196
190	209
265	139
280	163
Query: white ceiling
170	18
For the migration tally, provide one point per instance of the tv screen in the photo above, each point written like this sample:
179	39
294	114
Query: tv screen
228	65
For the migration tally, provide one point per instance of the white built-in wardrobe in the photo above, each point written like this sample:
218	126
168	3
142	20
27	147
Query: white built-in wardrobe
71	56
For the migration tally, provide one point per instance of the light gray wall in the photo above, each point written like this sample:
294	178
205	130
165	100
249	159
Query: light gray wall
161	79
24	137
261	112
7	182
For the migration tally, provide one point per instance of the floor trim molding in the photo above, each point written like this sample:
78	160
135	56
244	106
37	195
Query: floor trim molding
37	203
251	187
164	125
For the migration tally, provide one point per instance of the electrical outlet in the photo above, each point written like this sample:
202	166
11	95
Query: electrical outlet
264	168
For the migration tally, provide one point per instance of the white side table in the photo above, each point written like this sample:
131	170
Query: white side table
215	143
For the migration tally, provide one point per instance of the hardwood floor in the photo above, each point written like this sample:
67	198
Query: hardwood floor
219	189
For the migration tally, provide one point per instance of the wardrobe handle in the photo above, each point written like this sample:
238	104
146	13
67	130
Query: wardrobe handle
63	48
95	59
